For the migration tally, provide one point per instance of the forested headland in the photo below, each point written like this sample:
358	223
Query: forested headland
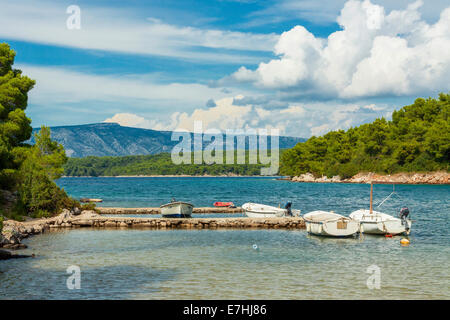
417	139
159	164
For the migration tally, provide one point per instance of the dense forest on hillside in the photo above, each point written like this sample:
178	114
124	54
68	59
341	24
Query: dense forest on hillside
159	164
416	140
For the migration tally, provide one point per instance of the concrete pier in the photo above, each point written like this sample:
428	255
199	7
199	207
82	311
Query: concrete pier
184	223
14	231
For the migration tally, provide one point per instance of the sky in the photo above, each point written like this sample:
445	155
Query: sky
304	67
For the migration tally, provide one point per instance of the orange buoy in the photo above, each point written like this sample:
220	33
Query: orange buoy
404	241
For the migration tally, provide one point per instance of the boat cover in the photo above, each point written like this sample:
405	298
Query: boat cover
322	216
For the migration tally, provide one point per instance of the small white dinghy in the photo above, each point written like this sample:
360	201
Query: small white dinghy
374	222
324	223
177	209
256	210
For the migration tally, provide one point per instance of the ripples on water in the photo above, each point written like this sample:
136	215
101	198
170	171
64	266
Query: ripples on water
222	264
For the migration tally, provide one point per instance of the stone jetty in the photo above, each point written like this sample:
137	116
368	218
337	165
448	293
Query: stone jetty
14	231
90	218
157	210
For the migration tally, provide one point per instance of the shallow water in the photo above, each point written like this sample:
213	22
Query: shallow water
224	264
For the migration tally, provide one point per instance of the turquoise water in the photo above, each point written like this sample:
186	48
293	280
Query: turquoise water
223	264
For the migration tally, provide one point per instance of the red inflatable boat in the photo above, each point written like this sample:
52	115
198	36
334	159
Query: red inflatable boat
223	204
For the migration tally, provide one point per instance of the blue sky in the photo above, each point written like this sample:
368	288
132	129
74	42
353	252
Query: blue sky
305	67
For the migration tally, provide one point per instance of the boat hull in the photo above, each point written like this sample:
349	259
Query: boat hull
332	225
251	214
255	210
223	204
381	223
177	210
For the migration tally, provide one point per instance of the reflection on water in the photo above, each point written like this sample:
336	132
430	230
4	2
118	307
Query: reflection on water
335	241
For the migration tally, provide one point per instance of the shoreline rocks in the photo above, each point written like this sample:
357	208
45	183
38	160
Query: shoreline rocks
5	255
15	231
438	177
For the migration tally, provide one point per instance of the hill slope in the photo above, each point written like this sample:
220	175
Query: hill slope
111	139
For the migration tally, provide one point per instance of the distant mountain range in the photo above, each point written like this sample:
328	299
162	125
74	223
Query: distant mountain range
111	139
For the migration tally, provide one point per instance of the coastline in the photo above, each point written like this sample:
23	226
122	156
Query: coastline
175	176
436	177
432	178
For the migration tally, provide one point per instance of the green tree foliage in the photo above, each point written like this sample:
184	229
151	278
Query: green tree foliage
159	164
15	127
43	163
30	170
417	139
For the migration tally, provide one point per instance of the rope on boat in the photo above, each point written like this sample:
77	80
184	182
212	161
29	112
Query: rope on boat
385	199
391	194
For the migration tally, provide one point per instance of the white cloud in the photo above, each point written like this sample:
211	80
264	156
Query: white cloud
130	120
374	54
224	115
325	118
68	94
123	31
321	129
62	86
294	120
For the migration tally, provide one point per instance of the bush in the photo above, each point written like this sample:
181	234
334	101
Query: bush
347	170
89	206
41	214
69	203
38	193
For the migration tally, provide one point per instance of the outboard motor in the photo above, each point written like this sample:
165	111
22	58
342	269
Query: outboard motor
288	206
404	212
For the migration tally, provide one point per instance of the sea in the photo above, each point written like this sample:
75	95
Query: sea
238	264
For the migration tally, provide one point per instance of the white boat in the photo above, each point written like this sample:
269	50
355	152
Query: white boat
324	223
177	209
256	210
374	222
380	223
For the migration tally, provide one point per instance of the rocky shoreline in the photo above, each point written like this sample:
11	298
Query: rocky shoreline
14	231
438	177
229	175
